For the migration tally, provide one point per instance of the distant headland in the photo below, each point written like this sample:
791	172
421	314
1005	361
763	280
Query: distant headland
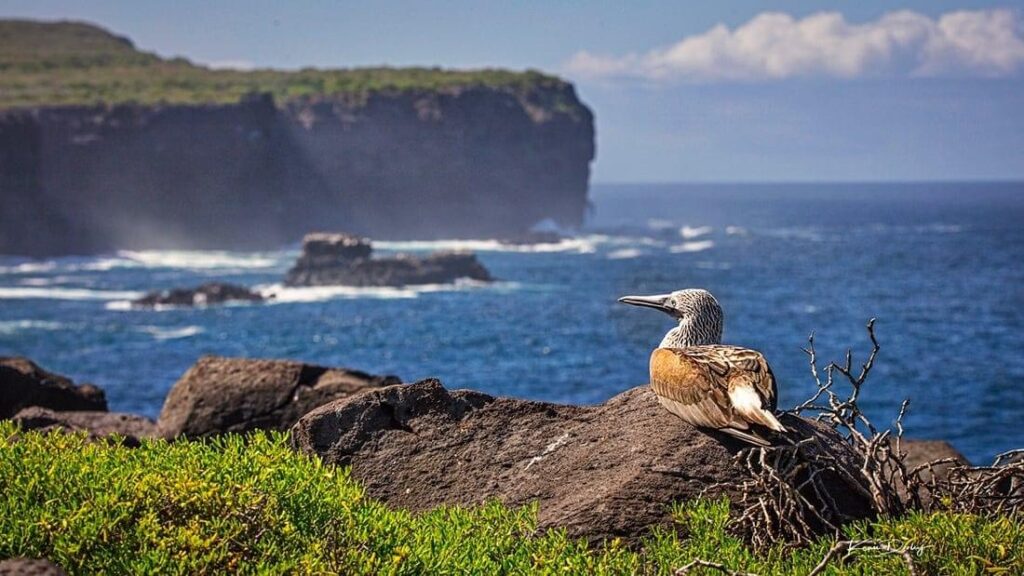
103	147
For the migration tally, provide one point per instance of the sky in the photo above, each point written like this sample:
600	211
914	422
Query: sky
682	91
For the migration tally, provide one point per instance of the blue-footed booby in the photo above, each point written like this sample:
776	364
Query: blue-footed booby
705	382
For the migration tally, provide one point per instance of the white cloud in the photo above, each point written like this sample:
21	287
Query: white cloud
772	45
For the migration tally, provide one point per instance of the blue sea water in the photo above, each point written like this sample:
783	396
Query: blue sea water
939	265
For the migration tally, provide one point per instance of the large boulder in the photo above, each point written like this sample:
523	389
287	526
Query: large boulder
921	452
130	427
208	294
599	471
925	455
346	260
29	567
219	395
23	383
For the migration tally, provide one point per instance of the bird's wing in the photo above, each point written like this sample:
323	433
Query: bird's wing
716	386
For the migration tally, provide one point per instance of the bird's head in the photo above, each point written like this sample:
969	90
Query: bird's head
699	314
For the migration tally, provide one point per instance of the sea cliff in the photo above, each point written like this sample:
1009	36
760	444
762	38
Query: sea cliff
386	153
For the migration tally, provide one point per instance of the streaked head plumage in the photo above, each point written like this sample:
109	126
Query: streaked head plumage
699	314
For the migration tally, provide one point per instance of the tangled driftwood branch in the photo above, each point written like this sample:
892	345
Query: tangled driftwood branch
850	546
845	547
785	499
996	490
712	566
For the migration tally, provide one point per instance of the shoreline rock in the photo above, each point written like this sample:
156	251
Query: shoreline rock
99	425
218	395
339	259
24	384
29	567
207	294
600	472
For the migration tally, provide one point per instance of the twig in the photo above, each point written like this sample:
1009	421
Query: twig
712	565
850	546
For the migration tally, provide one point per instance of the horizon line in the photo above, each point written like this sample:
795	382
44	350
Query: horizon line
1010	180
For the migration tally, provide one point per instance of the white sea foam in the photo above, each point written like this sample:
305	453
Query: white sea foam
171	333
14	326
808	233
29	267
279	294
624	253
197	259
736	231
184	259
36	282
688	232
579	245
695	246
11	292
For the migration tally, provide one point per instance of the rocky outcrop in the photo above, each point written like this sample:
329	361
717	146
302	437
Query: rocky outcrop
24	384
219	395
208	294
29	567
462	161
599	471
921	452
346	260
130	427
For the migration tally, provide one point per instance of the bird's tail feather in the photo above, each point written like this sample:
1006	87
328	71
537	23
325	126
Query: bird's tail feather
749	436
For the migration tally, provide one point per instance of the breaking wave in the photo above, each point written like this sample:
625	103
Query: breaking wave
15	326
580	245
688	232
624	254
27	292
171	333
695	246
280	294
188	259
182	259
28	268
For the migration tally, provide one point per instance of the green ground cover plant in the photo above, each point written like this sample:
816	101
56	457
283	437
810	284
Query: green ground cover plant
252	505
70	63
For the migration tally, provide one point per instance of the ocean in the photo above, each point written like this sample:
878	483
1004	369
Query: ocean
938	265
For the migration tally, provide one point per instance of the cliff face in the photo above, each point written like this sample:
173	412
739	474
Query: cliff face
456	162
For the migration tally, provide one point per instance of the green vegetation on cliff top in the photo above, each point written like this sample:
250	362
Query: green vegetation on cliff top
252	505
67	63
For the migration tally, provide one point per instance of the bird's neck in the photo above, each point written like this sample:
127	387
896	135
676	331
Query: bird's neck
689	334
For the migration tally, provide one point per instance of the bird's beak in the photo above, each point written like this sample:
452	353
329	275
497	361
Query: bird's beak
657	302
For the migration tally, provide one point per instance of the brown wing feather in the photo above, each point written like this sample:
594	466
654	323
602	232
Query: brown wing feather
694	383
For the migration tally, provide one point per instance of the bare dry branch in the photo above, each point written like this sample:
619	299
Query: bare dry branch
713	566
786	498
850	546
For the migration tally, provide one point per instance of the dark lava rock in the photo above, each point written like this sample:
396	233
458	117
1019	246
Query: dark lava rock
29	567
204	295
219	395
921	452
600	471
131	427
24	384
925	451
346	260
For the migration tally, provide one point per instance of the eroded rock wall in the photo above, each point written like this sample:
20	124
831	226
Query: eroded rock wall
254	175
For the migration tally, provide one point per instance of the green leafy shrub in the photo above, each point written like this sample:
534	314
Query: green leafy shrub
69	63
252	505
